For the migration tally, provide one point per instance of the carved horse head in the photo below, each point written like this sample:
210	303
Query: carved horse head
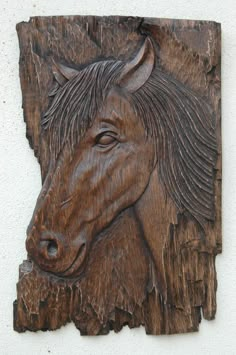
117	131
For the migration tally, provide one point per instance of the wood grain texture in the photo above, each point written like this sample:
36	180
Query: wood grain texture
123	115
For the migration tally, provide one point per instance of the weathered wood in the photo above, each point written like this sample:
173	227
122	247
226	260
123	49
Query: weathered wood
123	115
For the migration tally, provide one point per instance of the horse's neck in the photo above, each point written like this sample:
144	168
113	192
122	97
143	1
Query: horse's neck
119	268
117	271
155	211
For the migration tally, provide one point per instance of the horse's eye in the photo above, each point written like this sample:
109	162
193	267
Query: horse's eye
105	140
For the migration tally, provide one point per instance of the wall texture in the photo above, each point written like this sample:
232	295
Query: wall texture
20	185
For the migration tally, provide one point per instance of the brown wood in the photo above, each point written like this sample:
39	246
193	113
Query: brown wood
123	115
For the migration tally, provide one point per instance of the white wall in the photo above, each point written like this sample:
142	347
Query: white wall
20	184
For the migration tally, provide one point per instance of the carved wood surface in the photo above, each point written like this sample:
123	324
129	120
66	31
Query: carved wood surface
123	115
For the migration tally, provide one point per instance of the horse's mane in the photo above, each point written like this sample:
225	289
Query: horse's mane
181	124
177	118
76	104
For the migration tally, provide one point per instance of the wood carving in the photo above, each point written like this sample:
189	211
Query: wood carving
123	115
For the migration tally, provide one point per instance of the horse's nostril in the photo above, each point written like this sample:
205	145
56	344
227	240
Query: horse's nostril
52	248
49	248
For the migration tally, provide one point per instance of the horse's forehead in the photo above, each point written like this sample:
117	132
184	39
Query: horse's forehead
117	102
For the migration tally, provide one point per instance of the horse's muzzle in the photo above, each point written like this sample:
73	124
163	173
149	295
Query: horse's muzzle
52	254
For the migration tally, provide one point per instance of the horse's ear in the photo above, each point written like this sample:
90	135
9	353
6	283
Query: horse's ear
62	73
137	71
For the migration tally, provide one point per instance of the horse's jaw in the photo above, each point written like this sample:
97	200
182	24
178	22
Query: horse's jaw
155	211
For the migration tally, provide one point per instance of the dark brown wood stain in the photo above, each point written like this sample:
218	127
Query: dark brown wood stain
123	115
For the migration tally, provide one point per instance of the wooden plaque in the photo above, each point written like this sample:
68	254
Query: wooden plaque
123	115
